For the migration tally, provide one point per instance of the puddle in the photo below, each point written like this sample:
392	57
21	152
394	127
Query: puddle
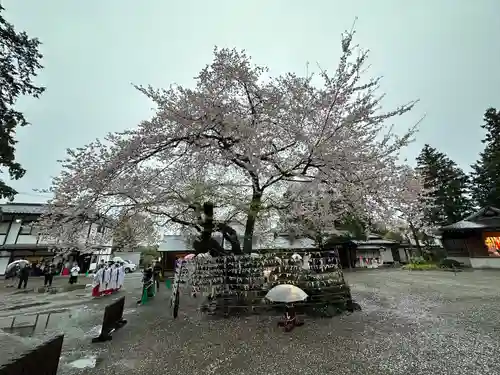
85	362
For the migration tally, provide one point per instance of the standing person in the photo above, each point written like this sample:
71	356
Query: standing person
24	273
101	264
114	278
48	273
147	281
66	270
121	278
73	274
157	270
98	282
107	278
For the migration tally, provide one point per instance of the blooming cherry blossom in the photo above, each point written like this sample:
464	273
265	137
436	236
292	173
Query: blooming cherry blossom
241	139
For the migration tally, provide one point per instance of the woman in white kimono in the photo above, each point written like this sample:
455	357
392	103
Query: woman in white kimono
114	278
97	283
107	279
121	277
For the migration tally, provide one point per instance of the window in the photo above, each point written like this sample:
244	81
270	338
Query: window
100	229
26	228
4	227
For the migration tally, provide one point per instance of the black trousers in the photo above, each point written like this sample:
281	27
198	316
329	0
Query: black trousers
48	280
23	281
73	279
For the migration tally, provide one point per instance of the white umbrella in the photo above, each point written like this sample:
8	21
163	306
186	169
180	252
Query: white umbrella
296	257
189	256
286	293
254	255
15	263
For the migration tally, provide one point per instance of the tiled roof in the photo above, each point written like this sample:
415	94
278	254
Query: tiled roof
464	224
24	208
484	212
374	242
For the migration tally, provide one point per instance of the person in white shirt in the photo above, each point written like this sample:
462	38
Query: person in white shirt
73	273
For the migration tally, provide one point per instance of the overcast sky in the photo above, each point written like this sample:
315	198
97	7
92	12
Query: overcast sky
444	52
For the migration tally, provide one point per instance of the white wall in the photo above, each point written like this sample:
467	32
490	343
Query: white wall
14	236
386	256
4	261
492	262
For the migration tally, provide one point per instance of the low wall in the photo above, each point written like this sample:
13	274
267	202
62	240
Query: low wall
488	262
465	260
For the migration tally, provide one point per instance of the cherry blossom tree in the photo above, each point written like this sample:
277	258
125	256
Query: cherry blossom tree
409	200
240	138
382	199
133	230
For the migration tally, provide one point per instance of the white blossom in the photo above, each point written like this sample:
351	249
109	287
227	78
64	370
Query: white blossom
242	139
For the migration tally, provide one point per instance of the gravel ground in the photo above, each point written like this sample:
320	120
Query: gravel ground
411	323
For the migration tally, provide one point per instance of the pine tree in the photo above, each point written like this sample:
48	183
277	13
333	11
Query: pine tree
448	186
485	176
19	58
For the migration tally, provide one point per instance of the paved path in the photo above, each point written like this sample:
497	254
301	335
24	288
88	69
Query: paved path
412	323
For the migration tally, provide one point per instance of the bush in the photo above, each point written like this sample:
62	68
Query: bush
450	263
420	266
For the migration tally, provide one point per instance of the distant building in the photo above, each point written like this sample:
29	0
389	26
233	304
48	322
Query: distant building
19	238
379	249
354	253
475	241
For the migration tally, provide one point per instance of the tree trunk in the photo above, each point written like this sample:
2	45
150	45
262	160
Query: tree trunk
415	236
253	211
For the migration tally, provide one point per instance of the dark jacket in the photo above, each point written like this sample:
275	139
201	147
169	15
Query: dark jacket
157	270
148	275
49	270
24	272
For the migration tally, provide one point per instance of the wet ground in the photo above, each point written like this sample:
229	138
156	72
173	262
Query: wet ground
411	323
27	319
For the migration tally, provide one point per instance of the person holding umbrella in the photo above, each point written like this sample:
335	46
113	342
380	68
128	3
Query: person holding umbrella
287	294
24	273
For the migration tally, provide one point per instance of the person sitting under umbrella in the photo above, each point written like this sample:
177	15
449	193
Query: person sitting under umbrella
287	294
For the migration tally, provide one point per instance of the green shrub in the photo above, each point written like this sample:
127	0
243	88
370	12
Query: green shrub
450	263
420	266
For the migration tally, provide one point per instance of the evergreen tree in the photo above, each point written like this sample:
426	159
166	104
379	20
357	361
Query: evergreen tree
448	186
485	176
19	58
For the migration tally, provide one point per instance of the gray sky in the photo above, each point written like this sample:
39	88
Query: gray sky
444	52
